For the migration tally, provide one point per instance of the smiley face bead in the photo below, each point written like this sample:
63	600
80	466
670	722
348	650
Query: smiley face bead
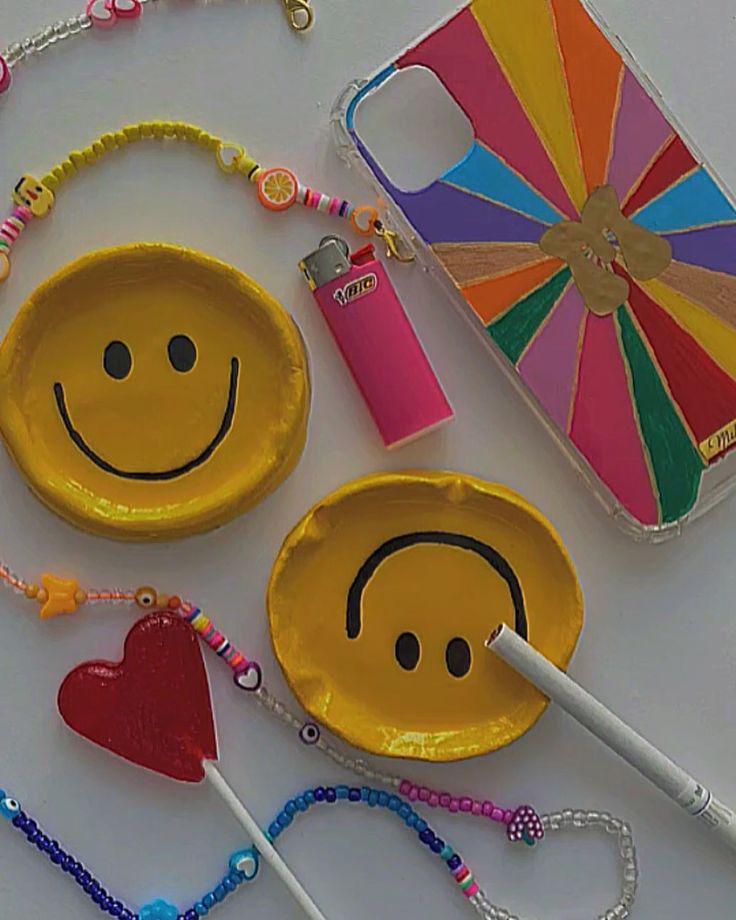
9	807
34	195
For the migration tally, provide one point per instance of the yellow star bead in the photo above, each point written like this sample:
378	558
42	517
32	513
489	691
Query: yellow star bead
59	595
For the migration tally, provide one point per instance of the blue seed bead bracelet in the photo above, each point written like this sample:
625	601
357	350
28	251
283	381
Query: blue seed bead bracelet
243	867
373	798
243	864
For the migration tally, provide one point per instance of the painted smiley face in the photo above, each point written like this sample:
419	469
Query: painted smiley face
382	598
118	363
152	392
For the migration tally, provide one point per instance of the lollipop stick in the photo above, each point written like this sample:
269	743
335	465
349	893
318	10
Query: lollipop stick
262	843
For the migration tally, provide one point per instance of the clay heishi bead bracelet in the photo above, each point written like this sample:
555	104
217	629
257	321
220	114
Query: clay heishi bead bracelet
277	187
243	865
64	595
57	596
104	14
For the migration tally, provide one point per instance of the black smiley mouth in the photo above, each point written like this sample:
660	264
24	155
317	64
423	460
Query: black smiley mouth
146	475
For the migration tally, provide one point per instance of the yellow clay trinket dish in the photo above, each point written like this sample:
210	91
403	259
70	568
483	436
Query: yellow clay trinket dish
151	392
383	596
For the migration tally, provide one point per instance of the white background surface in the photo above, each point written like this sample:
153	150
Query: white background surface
660	632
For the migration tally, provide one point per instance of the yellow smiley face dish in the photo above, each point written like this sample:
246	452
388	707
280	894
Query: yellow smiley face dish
151	392
383	596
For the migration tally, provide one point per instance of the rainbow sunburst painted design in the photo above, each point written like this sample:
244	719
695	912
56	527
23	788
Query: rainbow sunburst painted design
646	393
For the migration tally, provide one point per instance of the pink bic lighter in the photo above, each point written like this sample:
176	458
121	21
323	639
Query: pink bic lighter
377	340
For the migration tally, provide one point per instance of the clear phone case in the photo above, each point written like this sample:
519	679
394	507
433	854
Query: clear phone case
591	246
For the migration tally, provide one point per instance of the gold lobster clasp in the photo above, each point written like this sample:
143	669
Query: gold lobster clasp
396	248
299	13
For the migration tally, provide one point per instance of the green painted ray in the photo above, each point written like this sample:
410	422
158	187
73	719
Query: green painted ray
676	463
513	329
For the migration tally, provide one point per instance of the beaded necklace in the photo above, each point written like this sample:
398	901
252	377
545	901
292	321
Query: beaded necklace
56	596
243	865
104	14
64	595
277	187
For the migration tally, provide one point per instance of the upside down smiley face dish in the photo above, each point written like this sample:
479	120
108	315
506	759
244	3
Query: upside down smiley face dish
150	392
383	596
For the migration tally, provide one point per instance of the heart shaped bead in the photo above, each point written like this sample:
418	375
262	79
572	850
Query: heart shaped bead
127	9
250	677
101	13
6	76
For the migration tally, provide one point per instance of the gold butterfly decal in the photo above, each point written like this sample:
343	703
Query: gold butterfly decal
590	246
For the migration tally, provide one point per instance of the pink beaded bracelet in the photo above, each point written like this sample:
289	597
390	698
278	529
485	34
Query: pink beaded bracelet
56	596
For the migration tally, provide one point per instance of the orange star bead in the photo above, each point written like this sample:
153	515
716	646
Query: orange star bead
58	595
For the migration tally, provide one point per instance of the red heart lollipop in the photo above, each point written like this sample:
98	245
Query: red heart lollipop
154	707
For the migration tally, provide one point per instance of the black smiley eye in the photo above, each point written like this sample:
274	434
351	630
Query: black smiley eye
182	353
117	360
457	657
407	651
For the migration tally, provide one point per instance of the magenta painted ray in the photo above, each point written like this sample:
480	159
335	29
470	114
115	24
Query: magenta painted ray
462	59
640	132
603	425
711	247
550	363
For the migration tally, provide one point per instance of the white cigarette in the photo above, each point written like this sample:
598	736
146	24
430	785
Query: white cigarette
262	843
608	728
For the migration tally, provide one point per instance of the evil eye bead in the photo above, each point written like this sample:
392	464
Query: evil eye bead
246	862
145	597
309	733
9	808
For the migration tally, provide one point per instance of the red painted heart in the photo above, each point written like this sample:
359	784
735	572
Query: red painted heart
154	707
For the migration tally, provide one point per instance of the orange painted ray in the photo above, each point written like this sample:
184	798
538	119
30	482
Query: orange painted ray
715	291
469	263
490	298
594	70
